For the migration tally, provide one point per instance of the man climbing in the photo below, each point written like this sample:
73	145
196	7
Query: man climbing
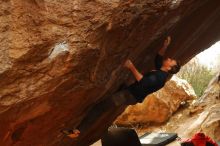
136	92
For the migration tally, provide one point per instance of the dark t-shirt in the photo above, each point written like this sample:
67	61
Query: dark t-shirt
151	81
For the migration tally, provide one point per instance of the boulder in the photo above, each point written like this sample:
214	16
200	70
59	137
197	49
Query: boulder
159	106
202	115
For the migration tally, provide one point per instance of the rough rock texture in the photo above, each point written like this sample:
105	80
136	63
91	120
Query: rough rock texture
159	106
202	115
205	113
59	57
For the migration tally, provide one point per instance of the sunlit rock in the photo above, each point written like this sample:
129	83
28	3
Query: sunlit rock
207	120
203	115
159	106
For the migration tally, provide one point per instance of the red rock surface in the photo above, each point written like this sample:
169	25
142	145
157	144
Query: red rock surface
59	57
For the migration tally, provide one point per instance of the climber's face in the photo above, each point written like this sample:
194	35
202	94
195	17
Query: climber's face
169	63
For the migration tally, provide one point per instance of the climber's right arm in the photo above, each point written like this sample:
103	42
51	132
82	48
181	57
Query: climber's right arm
166	43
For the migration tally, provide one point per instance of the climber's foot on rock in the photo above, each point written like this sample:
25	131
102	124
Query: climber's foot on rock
74	134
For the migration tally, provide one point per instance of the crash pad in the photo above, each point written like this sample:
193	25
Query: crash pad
157	139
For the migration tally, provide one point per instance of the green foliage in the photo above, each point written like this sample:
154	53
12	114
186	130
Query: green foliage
197	75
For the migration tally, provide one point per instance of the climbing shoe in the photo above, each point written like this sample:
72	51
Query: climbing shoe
71	133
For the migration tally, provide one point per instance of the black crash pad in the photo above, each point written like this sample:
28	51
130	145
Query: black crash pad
157	139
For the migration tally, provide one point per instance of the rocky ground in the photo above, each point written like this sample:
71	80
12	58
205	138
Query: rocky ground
203	115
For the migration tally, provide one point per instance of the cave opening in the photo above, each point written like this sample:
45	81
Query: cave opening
202	68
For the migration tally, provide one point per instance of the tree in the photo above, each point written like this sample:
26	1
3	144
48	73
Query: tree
197	75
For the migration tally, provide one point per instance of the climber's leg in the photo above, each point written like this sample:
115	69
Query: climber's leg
123	97
119	99
91	117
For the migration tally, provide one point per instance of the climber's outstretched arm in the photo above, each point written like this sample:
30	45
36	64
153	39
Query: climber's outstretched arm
165	45
128	64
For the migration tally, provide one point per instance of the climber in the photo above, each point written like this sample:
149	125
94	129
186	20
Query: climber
153	80
136	92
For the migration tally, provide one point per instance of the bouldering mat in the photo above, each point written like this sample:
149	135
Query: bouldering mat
157	139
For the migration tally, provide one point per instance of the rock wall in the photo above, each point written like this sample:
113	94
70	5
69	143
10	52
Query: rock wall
59	57
159	106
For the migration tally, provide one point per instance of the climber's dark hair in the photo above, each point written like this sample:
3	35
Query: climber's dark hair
175	69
